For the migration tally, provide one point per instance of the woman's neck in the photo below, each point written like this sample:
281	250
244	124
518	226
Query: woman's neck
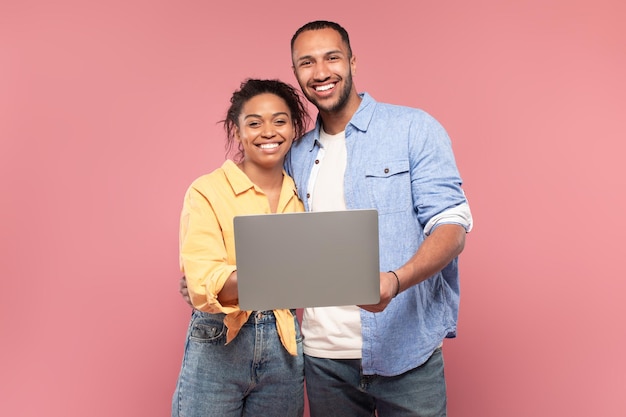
268	180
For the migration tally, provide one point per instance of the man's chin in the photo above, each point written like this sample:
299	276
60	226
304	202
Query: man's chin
331	107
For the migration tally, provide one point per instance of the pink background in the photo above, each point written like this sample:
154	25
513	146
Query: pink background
108	110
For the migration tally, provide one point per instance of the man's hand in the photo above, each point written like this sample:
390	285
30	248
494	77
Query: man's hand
444	244
388	289
184	291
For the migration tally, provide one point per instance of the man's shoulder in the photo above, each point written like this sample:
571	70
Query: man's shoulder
308	136
305	142
394	110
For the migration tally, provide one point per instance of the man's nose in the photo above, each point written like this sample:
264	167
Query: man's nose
322	72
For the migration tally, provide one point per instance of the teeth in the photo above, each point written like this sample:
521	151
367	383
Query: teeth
325	87
268	146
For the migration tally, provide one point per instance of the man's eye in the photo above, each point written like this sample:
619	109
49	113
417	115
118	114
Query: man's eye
280	122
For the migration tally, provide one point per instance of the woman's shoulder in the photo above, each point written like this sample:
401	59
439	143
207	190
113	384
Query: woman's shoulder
214	178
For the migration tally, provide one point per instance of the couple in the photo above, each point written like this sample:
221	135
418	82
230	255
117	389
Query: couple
382	359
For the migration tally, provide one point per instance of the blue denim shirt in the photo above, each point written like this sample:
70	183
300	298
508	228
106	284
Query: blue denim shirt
400	162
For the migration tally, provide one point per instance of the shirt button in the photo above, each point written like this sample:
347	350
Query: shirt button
317	161
386	170
308	195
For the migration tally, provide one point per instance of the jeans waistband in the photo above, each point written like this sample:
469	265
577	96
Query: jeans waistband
265	316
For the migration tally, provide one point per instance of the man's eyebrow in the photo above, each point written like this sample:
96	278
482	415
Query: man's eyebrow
309	57
304	58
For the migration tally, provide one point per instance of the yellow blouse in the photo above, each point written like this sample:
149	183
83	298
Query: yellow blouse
207	243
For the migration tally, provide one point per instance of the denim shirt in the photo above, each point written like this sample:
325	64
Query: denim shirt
400	162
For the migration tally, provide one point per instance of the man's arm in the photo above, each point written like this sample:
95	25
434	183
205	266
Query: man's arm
445	243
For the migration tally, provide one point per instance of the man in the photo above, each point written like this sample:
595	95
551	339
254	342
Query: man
382	359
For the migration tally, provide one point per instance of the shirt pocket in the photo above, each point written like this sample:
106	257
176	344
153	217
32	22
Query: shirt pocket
389	185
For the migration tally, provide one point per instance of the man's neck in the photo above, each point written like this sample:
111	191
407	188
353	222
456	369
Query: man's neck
336	121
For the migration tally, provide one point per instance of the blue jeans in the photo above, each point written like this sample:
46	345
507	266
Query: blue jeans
251	376
336	387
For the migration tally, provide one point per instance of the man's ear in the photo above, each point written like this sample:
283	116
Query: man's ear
353	65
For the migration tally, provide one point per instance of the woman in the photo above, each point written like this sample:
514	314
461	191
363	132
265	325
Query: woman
240	363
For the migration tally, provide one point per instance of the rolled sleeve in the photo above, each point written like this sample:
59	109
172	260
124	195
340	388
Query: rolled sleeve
460	215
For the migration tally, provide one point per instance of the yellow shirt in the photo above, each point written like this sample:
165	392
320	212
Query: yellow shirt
207	243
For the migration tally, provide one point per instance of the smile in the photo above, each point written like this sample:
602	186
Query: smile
269	145
325	87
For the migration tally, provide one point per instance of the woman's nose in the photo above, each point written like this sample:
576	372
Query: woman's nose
268	131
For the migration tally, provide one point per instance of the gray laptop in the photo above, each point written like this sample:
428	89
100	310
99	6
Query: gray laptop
313	259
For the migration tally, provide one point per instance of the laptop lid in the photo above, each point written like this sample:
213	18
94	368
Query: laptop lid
312	259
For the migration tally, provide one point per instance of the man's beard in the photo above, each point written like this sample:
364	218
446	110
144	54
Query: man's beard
341	103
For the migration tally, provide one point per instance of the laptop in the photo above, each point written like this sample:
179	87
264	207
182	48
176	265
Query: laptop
312	259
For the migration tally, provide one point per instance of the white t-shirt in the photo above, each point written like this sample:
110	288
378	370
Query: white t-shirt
331	332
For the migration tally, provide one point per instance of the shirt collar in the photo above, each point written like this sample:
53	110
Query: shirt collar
240	182
360	120
237	179
363	116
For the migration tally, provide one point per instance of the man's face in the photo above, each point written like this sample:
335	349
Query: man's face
323	68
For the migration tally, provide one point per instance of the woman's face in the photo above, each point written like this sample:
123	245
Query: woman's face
265	130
